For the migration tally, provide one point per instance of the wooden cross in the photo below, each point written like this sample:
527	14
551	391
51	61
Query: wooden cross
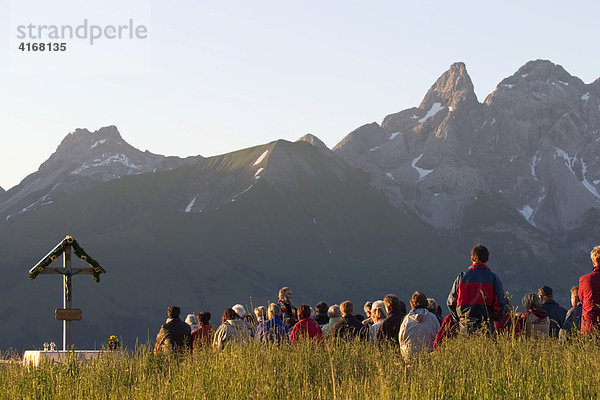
67	314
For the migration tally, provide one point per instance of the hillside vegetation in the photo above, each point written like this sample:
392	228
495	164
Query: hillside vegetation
476	367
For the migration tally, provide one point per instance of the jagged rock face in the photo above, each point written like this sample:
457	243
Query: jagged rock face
532	143
544	143
315	141
82	160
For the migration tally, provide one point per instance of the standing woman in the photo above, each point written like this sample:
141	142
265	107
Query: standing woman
288	312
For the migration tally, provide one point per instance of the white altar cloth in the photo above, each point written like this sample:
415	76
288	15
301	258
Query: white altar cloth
34	357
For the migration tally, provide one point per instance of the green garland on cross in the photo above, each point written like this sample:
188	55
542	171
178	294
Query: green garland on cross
57	252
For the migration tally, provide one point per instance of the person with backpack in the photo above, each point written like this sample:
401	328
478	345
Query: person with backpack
448	330
535	322
350	327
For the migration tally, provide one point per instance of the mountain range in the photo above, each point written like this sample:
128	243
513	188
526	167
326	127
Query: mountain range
394	207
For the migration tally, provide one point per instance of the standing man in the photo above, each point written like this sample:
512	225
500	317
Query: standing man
556	313
589	295
477	296
288	312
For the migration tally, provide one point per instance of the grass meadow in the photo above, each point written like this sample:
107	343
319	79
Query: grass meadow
465	368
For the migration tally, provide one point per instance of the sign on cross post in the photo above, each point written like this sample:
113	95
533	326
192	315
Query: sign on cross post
65	248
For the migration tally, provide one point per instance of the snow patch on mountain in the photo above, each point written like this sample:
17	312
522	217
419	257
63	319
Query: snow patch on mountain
435	108
586	183
565	156
534	162
101	141
190	205
393	135
586	96
118	158
422	172
242	192
526	211
261	158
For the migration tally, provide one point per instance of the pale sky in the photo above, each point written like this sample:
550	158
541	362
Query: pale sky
225	75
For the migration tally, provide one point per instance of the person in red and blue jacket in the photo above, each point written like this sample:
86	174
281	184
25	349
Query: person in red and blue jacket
477	295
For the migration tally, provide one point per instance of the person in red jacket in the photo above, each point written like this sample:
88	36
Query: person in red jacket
306	327
203	336
589	295
448	330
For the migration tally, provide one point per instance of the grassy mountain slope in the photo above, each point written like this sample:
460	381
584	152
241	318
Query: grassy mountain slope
310	221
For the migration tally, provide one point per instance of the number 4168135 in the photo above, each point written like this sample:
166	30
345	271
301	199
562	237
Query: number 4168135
50	46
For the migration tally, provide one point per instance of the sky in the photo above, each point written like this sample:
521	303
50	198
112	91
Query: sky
214	77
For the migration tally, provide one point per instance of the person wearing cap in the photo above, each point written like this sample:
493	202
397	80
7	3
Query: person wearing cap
192	321
378	314
241	313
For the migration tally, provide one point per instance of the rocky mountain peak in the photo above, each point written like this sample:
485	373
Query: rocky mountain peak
312	139
595	86
82	160
543	70
452	89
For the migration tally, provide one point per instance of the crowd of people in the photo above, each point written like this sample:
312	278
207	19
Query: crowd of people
477	303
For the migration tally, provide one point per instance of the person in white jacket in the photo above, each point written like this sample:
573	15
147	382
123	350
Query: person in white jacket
418	328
